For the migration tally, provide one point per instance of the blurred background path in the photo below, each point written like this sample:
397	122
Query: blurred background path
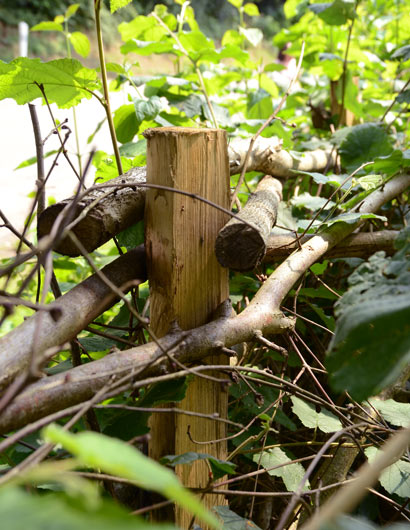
17	145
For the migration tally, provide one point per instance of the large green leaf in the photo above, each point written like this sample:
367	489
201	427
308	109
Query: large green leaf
66	81
219	467
233	521
19	509
118	458
364	143
395	478
324	420
392	411
371	345
336	13
125	122
291	474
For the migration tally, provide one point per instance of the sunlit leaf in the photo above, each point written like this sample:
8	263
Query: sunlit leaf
66	82
291	474
395	478
80	43
120	459
324	420
392	411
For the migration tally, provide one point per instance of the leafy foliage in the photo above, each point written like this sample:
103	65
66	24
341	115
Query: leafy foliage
352	97
363	357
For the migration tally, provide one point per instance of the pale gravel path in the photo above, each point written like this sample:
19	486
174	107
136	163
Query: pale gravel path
17	145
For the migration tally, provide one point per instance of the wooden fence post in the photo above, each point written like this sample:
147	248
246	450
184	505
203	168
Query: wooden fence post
186	281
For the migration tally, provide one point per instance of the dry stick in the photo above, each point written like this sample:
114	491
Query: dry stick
41	202
349	496
263	126
56	128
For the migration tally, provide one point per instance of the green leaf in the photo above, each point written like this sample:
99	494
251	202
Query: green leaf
402	53
291	474
336	13
305	200
353	217
133	149
47	26
66	81
364	143
71	10
232	521
33	159
97	344
253	35
147	109
126	123
231	36
132	236
118	4
371	345
395	479
195	41
136	28
392	411
251	10
118	458
370	182
236	3
164	392
18	510
219	467
390	164
80	43
325	421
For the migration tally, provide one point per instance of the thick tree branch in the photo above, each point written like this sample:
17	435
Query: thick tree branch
68	315
123	207
112	213
240	246
361	245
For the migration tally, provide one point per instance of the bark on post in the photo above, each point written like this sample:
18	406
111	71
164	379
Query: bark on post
187	283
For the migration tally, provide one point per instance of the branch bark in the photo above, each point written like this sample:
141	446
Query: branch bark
123	207
68	315
361	245
241	247
262	315
115	210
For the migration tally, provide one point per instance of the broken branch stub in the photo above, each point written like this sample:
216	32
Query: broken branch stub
241	246
116	207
